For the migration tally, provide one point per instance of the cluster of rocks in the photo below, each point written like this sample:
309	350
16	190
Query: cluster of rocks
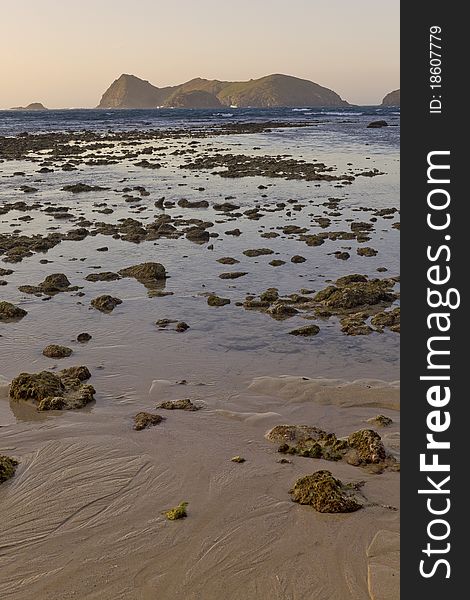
64	390
362	448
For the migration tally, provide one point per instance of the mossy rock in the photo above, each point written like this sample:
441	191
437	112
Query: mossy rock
233	275
214	300
389	319
238	459
179	512
10	312
258	252
145	272
297	259
103	276
380	421
51	391
355	325
227	260
269	295
281	310
7	467
57	351
305	331
182	404
325	493
142	420
52	284
368	445
105	303
294	433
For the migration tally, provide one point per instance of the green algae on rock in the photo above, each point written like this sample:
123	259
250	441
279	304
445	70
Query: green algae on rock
142	420
238	459
368	445
305	331
145	273
362	449
233	274
52	284
380	421
179	512
214	300
10	312
182	404
56	351
325	493
390	319
105	303
258	252
103	276
7	467
51	391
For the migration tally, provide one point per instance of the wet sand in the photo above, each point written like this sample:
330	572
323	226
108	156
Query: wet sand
82	517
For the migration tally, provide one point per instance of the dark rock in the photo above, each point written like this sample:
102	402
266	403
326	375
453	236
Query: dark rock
214	300
325	493
142	420
83	337
10	312
105	303
306	330
56	351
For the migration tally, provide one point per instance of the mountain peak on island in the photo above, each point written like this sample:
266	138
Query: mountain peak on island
277	90
392	99
32	106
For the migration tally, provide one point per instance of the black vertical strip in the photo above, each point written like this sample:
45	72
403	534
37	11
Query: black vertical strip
426	562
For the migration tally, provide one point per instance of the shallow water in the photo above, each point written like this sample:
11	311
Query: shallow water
126	478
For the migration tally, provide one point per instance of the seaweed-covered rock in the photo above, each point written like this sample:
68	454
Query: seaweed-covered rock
51	391
325	493
294	433
258	252
181	326
269	295
179	512
380	421
227	260
81	373
355	325
305	331
389	319
52	284
56	351
238	459
7	467
182	404
214	300
281	310
367	251
142	420
368	445
356	294
104	276
296	259
145	273
233	275
77	188
10	312
198	235
105	303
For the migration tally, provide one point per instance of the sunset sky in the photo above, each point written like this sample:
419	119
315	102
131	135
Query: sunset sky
65	53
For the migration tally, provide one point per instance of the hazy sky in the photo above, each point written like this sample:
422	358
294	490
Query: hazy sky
65	53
